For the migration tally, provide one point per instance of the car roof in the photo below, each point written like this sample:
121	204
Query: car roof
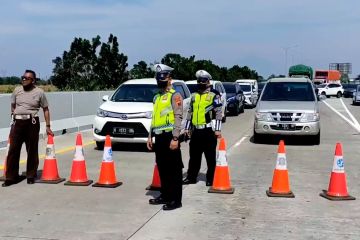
146	81
290	80
246	80
195	82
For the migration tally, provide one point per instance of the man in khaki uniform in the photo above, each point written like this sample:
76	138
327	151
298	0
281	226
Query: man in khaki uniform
26	101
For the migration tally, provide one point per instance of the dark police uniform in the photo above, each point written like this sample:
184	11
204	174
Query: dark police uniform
204	107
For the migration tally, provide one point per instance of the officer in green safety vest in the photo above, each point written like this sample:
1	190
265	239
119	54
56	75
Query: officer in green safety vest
205	107
165	127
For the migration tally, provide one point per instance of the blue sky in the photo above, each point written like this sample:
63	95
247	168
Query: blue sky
228	32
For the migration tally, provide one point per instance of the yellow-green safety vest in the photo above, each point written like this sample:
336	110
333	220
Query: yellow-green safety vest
202	104
163	113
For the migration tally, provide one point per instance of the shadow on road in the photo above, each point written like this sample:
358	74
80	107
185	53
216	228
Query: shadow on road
289	140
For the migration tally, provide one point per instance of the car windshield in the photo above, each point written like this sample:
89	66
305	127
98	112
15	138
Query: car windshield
135	93
349	86
229	88
245	88
321	85
192	87
288	91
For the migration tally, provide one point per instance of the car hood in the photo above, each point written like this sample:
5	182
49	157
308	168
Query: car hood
127	107
287	106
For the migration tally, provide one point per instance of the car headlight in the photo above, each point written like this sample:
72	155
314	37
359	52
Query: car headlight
102	113
310	117
263	116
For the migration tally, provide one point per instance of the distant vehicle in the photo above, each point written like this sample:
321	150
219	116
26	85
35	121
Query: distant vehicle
356	97
330	89
327	76
349	90
235	98
301	70
126	115
250	89
287	106
217	85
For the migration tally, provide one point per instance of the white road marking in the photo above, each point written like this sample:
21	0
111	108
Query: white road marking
237	144
357	128
350	114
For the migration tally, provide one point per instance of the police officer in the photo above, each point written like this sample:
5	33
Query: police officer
26	101
166	126
204	107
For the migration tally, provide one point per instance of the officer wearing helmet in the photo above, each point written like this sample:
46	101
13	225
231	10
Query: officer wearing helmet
166	127
204	107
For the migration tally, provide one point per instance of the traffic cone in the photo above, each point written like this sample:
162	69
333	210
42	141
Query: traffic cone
337	187
280	184
156	183
78	176
50	172
221	183
2	178
107	176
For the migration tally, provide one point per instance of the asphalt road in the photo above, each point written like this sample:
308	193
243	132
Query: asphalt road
42	211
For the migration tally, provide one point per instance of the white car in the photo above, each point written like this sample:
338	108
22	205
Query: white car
330	89
126	115
250	90
218	86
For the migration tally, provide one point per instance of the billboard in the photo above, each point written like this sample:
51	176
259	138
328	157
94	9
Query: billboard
343	68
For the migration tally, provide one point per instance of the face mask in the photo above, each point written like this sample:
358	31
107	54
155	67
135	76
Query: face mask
162	84
201	87
28	87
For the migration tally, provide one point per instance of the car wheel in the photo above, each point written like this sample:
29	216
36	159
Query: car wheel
100	145
316	139
242	108
224	117
256	137
338	95
236	111
323	94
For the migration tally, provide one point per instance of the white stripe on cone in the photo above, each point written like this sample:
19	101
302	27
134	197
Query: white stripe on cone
281	161
338	166
221	159
107	157
79	154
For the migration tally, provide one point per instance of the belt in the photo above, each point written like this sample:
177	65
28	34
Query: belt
157	132
24	116
203	126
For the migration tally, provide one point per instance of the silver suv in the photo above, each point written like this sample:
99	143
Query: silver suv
287	106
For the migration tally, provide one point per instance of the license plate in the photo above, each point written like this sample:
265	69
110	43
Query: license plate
287	126
123	131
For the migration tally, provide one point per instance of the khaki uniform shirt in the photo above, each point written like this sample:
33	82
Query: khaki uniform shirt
28	102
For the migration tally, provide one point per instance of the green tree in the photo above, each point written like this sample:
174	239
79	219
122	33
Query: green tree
141	70
184	68
344	78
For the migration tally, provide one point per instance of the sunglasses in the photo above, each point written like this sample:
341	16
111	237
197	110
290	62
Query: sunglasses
202	80
161	76
24	78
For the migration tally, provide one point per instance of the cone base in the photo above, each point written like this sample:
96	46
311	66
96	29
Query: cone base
86	183
269	193
114	185
153	188
223	191
2	179
56	181
334	198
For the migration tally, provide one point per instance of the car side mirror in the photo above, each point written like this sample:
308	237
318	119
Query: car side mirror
105	98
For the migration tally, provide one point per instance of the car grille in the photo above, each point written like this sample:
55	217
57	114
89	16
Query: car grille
286	117
139	130
296	128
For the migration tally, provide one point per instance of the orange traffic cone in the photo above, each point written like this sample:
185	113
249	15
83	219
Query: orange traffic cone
337	187
78	176
156	183
50	172
280	184
2	178
107	176
221	183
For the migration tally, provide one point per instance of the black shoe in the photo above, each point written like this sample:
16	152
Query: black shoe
171	206
157	201
208	184
30	180
187	181
8	183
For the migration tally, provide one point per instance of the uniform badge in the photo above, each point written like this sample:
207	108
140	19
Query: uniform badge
178	100
158	68
165	97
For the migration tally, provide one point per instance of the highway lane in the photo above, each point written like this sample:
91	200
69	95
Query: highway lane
61	212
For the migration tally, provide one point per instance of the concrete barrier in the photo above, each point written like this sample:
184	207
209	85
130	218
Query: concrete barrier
69	111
